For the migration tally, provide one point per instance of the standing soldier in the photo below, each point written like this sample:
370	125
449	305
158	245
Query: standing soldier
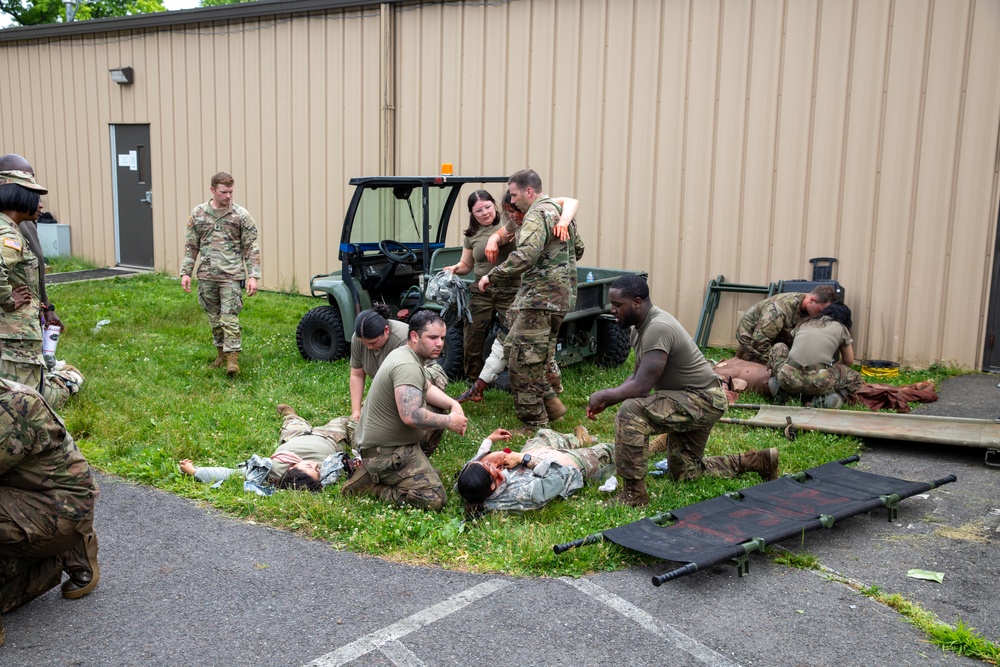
225	235
21	357
547	266
47	496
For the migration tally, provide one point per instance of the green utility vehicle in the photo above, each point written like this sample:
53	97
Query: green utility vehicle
393	241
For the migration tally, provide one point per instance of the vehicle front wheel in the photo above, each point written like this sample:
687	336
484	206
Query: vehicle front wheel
612	344
320	335
452	356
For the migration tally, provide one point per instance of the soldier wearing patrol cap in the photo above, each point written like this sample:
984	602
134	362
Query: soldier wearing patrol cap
21	357
225	235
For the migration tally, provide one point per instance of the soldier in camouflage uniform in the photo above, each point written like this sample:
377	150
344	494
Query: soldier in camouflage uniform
773	319
225	235
47	496
673	390
808	369
547	267
550	465
21	357
396	417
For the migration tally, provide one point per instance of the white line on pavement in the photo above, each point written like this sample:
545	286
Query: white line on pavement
646	620
376	640
401	656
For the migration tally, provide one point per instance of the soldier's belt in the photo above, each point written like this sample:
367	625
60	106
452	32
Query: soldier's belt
379	450
808	369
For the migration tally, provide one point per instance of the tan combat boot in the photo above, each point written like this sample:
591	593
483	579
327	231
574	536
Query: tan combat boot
219	360
473	393
632	494
232	368
360	482
285	410
583	437
555	409
80	564
658	445
764	462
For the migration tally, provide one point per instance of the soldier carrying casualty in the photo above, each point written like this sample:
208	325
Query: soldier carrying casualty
772	321
673	390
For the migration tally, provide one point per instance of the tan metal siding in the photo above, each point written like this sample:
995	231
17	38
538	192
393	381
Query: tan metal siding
729	137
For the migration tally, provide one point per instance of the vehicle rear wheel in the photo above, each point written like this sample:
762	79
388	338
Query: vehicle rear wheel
451	358
612	344
320	335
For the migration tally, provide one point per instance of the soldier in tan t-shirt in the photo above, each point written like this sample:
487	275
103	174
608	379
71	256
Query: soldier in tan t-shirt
672	391
396	417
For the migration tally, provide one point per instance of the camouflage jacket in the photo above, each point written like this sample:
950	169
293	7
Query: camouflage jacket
227	244
529	489
547	266
771	321
37	454
18	266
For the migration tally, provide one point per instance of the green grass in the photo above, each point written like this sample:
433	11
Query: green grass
150	400
68	263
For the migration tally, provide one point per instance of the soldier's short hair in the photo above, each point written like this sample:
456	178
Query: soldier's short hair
422	319
526	178
14	197
222	178
632	285
825	294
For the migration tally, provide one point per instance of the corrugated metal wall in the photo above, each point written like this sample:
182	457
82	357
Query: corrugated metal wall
736	137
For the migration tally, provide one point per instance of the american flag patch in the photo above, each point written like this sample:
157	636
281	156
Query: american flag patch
13	243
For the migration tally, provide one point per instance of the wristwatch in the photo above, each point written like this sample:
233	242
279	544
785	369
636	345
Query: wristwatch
49	308
525	459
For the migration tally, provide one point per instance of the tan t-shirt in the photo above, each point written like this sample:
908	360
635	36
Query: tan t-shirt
477	244
381	425
308	447
371	360
686	366
817	341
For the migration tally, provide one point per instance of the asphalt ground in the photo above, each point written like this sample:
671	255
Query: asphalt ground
184	585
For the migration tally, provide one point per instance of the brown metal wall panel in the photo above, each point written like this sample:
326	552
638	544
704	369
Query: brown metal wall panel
702	138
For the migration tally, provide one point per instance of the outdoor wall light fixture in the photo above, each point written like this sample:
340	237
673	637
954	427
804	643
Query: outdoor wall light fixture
122	76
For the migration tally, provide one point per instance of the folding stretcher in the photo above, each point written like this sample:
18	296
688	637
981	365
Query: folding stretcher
735	524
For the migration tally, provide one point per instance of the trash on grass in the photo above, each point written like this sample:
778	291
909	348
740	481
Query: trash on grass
610	485
926	575
101	324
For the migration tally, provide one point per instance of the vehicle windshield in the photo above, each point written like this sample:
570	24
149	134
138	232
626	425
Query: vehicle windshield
398	214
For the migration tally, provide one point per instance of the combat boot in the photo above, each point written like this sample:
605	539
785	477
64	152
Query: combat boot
232	367
473	393
285	410
631	494
830	401
583	437
555	409
81	566
658	445
219	360
360	482
528	430
764	462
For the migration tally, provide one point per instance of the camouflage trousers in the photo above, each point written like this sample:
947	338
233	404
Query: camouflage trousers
590	460
404	476
55	386
687	417
497	300
223	302
814	382
36	546
339	430
531	348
